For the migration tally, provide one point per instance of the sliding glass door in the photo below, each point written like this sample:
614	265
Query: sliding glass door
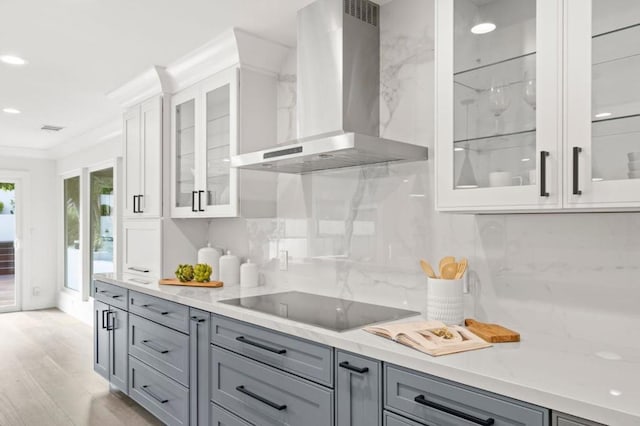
101	221
72	254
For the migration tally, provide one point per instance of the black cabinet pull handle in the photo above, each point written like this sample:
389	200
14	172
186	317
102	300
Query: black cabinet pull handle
138	269
193	201
345	364
278	407
135	210
420	399
140	203
158	349
243	339
145	388
200	209
110	325
155	310
543	173
104	321
576	172
197	319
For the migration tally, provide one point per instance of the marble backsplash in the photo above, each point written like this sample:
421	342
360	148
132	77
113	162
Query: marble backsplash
360	232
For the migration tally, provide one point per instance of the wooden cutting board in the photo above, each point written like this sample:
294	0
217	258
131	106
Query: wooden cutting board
492	333
174	281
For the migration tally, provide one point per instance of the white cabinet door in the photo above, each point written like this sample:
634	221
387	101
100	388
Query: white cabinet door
142	246
498	103
602	150
150	197
132	160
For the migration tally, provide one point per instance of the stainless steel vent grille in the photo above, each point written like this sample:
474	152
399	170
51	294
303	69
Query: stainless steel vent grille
50	128
364	10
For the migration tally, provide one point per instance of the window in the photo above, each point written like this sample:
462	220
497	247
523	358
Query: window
72	254
102	212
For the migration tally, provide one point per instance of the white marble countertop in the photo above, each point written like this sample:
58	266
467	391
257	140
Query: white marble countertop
574	376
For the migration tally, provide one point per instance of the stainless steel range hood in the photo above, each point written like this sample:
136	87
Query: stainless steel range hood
338	95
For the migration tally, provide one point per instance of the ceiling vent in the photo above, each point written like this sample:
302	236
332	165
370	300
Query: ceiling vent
50	128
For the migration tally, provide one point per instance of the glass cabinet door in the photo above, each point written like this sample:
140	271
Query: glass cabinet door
603	79
497	102
185	155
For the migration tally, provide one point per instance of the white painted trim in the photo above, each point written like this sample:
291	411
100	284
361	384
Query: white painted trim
150	83
60	246
106	131
22	179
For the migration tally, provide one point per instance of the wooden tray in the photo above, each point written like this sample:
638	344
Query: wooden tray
492	333
174	281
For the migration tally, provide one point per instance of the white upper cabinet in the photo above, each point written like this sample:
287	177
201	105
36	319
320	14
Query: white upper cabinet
602	153
142	138
543	112
498	92
211	121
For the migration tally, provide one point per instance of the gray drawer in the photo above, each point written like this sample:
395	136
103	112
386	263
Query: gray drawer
162	311
301	357
161	396
391	419
435	401
221	417
110	294
266	396
162	348
562	419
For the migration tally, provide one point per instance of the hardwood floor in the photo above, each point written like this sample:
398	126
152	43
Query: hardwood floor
7	290
47	378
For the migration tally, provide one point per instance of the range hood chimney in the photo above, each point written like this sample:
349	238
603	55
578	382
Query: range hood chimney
338	95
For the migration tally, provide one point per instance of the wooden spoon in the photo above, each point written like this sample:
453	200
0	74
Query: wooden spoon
462	268
426	267
444	261
449	271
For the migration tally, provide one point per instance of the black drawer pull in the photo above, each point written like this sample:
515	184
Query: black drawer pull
111	325
243	339
109	294
139	200
200	209
134	204
148	344
420	399
193	201
137	269
197	319
543	173
278	407
345	364
104	321
155	310
576	171
145	388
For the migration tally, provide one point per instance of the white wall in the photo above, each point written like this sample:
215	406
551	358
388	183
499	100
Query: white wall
39	241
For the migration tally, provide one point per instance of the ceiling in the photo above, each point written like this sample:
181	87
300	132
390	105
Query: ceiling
78	50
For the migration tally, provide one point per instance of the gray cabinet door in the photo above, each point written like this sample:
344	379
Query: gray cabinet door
391	419
199	367
266	396
358	390
561	419
118	368
100	339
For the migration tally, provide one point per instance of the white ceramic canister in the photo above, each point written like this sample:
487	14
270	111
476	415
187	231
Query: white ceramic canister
230	269
248	274
211	256
444	300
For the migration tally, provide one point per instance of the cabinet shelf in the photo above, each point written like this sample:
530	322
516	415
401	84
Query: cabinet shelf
494	64
500	137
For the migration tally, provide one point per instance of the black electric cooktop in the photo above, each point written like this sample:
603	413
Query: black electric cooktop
322	311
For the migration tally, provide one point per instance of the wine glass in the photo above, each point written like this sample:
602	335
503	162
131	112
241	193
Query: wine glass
499	101
529	91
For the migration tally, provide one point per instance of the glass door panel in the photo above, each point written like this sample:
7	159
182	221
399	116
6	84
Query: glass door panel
185	138
494	109
218	138
72	254
101	221
615	90
8	294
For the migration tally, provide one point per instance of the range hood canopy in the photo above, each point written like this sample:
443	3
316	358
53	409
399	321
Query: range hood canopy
338	89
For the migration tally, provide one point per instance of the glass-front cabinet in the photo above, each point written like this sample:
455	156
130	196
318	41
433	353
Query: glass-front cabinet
497	91
204	127
602	153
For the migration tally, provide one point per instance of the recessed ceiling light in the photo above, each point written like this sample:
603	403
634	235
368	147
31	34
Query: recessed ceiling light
615	392
603	114
12	60
11	110
483	28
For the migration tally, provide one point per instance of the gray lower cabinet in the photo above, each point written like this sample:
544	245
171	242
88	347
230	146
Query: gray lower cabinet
164	398
110	344
429	400
562	419
358	390
199	332
222	417
391	419
265	396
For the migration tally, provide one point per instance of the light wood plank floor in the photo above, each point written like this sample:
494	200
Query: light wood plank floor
47	378
7	290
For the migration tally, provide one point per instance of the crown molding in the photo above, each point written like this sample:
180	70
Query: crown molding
109	130
150	83
17	152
